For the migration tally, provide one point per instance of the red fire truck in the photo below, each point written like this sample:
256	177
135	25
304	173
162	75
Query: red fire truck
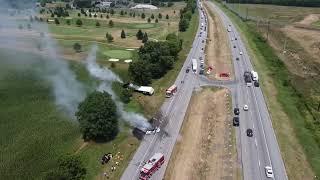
171	91
153	164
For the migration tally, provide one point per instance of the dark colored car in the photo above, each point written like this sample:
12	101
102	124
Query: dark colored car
236	111
235	39
235	121
187	70
237	59
256	84
249	132
234	46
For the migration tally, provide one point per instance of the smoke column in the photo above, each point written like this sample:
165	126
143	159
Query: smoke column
107	78
67	91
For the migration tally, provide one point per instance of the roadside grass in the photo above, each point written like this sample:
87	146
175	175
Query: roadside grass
151	104
316	24
274	13
290	117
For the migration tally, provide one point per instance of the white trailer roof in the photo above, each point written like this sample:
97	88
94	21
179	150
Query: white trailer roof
146	89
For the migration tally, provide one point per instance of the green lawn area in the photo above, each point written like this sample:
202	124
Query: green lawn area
118	54
291	120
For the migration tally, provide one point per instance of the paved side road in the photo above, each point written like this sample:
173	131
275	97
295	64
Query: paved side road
262	149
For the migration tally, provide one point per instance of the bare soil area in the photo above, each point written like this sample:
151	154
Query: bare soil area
205	149
218	54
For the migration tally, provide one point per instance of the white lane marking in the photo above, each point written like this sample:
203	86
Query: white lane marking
255	140
253	125
259	163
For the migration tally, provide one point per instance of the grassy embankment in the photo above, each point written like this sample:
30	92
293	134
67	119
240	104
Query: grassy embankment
291	120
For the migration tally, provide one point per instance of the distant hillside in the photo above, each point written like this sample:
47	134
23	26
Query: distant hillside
307	3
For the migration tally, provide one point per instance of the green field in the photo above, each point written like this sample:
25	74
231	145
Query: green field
34	134
277	14
118	54
291	120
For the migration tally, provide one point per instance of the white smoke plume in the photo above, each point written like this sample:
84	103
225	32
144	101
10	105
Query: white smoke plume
67	91
107	77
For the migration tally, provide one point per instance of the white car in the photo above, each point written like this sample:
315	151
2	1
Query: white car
241	52
245	107
153	131
269	172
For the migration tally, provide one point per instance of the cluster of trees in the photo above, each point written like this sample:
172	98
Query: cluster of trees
142	36
82	3
59	12
98	117
69	167
309	3
186	15
155	59
109	37
161	3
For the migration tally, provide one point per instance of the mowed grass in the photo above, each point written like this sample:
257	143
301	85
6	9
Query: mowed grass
118	54
274	13
317	24
289	117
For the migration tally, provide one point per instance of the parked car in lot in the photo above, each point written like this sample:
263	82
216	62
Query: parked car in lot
249	132
236	111
269	171
236	121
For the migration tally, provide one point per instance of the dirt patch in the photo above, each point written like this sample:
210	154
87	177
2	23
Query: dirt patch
311	18
203	151
218	54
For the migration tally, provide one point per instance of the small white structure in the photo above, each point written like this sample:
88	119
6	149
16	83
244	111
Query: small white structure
146	90
144	6
130	49
113	60
128	60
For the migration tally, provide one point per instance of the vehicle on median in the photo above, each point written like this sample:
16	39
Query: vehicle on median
151	166
171	91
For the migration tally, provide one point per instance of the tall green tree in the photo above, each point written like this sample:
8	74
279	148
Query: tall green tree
109	37
77	47
160	16
79	22
123	34
167	16
111	24
139	72
145	38
98	118
139	35
143	16
149	20
152	16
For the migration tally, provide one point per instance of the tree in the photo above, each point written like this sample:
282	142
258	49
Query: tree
68	22
167	16
160	16
109	37
139	35
156	21
77	47
69	167
174	11
101	16
152	16
97	24
134	14
121	12
145	38
79	15
149	20
90	14
111	23
143	16
95	15
56	21
107	16
98	118
52	15
123	34
183	24
79	22
139	72
111	11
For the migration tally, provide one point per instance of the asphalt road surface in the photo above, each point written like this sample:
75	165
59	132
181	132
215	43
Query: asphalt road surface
254	152
262	149
173	111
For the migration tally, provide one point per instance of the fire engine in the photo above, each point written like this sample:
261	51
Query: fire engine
171	91
152	165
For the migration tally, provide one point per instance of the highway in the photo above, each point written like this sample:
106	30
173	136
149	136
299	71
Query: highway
173	111
262	149
254	152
